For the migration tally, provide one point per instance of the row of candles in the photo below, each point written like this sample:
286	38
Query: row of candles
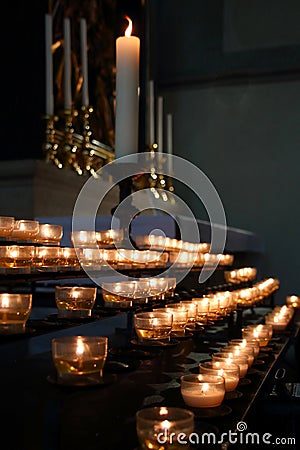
33	230
29	258
78	301
81	359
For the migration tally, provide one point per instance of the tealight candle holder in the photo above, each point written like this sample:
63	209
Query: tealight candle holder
153	326
191	308
25	230
293	300
14	312
79	360
69	258
261	332
75	301
84	239
16	258
49	234
203	390
236	350
46	259
91	258
246	343
158	288
121	292
229	358
6	225
109	238
180	319
161	427
230	373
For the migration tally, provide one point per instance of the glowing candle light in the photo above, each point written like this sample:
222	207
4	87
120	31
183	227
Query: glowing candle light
127	93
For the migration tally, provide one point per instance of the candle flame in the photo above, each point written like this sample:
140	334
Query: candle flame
5	301
166	424
163	411
205	387
221	372
128	30
80	347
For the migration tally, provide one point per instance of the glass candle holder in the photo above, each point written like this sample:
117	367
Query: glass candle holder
293	300
277	322
157	288
230	373
75	301
153	326
14	312
260	332
49	234
46	258
191	308
69	258
202	309
160	428
84	239
203	390
109	238
245	343
79	359
118	292
91	258
6	225
180	319
236	350
25	230
17	257
241	361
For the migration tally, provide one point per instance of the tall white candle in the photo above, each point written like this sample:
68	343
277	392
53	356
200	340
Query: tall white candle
84	63
67	62
127	93
159	126
151	113
49	65
170	141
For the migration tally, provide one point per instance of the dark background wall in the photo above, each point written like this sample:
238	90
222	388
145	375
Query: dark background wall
229	72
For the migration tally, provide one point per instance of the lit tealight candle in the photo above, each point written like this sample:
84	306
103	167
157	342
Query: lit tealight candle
203	390
79	359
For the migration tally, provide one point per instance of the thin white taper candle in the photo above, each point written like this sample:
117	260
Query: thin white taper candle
170	141
84	63
49	65
151	113
67	62
159	126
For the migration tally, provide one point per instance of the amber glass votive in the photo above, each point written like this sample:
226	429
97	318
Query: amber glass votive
68	259
16	257
118	292
245	343
203	390
230	373
180	320
236	350
164	428
109	238
75	301
49	234
25	230
84	239
46	258
229	358
6	225
79	359
293	300
153	326
14	312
